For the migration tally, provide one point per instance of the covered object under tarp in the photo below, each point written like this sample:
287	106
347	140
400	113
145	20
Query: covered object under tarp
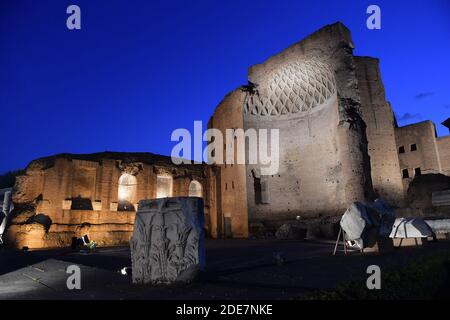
410	228
364	223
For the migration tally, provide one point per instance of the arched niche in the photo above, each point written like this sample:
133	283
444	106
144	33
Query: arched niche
127	192
195	189
164	186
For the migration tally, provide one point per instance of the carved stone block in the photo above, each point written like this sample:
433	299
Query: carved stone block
168	240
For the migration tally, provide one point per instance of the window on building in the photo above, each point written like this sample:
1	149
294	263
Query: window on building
195	189
401	149
227	227
261	189
79	203
414	147
232	184
257	189
164	186
417	172
405	173
127	192
265	191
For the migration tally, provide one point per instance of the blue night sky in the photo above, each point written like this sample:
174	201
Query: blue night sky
137	70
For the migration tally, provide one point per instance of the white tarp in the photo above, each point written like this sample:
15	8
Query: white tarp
363	223
355	220
4	211
410	228
439	225
3	222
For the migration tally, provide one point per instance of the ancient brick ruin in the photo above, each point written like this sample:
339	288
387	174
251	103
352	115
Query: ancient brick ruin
97	195
339	143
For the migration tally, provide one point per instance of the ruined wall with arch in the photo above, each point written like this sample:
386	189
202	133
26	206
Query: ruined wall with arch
195	189
95	194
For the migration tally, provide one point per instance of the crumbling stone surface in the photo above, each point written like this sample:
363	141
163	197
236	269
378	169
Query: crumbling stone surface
303	228
36	235
290	232
74	195
259	230
378	116
23	212
422	187
168	240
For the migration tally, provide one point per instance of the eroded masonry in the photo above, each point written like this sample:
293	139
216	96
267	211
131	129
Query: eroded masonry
339	143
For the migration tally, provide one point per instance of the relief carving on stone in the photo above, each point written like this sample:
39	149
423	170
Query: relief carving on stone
167	243
132	168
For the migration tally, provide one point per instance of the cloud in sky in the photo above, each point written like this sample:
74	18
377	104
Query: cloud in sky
409	116
423	95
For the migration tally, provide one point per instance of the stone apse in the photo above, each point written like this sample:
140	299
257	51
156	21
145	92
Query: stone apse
309	92
339	139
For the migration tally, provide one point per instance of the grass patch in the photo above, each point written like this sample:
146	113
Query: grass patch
426	279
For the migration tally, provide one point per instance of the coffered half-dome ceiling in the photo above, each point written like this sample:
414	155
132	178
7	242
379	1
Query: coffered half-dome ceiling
294	88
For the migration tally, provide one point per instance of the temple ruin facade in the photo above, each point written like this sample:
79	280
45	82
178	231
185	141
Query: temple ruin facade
339	143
